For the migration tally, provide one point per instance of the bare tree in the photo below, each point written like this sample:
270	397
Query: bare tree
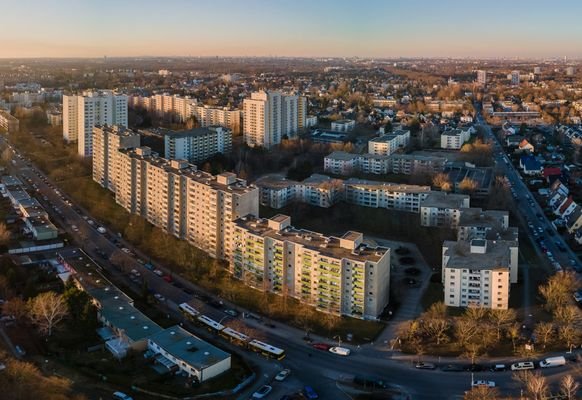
465	330
537	387
569	387
46	310
475	313
565	315
513	333
437	329
501	318
482	393
543	331
15	307
468	185
442	181
5	234
557	291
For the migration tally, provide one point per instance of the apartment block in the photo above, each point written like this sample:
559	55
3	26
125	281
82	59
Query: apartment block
107	141
8	122
342	163
455	138
343	125
476	223
197	145
174	107
187	203
268	116
302	121
388	195
218	116
337	275
318	190
81	113
479	273
441	209
389	143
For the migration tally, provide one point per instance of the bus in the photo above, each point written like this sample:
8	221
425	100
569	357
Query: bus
209	323
235	336
267	350
189	312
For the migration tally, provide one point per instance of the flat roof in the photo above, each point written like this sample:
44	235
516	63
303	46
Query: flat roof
342	155
275	181
444	200
497	254
326	245
189	348
395	187
189	133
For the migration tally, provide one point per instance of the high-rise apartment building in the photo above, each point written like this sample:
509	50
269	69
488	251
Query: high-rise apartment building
302	122
81	113
337	275
107	140
187	203
482	77
218	116
479	273
197	145
515	77
268	116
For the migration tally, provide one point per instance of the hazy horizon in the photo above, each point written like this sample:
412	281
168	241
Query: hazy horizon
260	28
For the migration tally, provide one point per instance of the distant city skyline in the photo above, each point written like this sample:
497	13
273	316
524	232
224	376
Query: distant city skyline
302	28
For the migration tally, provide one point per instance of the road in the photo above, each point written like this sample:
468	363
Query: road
309	366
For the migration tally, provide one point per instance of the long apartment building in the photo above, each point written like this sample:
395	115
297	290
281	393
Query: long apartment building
107	141
337	275
8	122
82	112
187	203
270	115
389	143
197	145
174	107
479	272
342	163
387	195
442	209
218	116
318	190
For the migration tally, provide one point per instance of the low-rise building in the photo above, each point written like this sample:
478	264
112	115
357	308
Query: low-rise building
462	173
342	163
388	195
389	143
476	223
276	191
479	273
337	275
455	138
441	209
343	125
530	165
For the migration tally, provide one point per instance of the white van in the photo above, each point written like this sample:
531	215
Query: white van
522	365
553	362
341	351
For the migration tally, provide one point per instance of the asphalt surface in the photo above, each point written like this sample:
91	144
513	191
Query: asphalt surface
311	367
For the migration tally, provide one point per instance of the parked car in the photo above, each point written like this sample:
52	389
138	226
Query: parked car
423	365
321	346
282	375
453	368
498	368
262	392
553	362
158	272
101	230
522	366
310	393
231	312
340	351
478	383
121	396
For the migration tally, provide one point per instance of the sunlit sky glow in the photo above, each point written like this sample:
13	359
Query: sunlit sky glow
373	28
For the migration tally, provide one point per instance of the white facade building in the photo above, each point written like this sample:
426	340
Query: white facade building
343	125
455	138
389	143
197	145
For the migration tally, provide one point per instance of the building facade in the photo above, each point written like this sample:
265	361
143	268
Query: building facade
389	143
441	209
388	195
341	276
197	145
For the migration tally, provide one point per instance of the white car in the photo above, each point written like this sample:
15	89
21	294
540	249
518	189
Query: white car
341	351
158	272
159	297
101	230
522	365
282	375
121	396
262	392
478	383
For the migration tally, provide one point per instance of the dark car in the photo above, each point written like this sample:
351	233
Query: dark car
310	393
453	368
322	346
425	365
474	368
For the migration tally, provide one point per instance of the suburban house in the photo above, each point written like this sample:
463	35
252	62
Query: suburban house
525	146
530	165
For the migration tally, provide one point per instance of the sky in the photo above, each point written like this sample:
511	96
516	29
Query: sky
298	28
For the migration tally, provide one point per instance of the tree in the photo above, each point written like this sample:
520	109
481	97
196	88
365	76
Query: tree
482	393
543	332
47	310
513	333
442	181
501	318
5	234
80	306
569	387
565	315
15	307
537	386
468	185
465	330
558	289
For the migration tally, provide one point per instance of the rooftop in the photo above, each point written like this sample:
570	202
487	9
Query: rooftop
445	200
395	187
189	348
497	254
342	155
326	245
189	133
